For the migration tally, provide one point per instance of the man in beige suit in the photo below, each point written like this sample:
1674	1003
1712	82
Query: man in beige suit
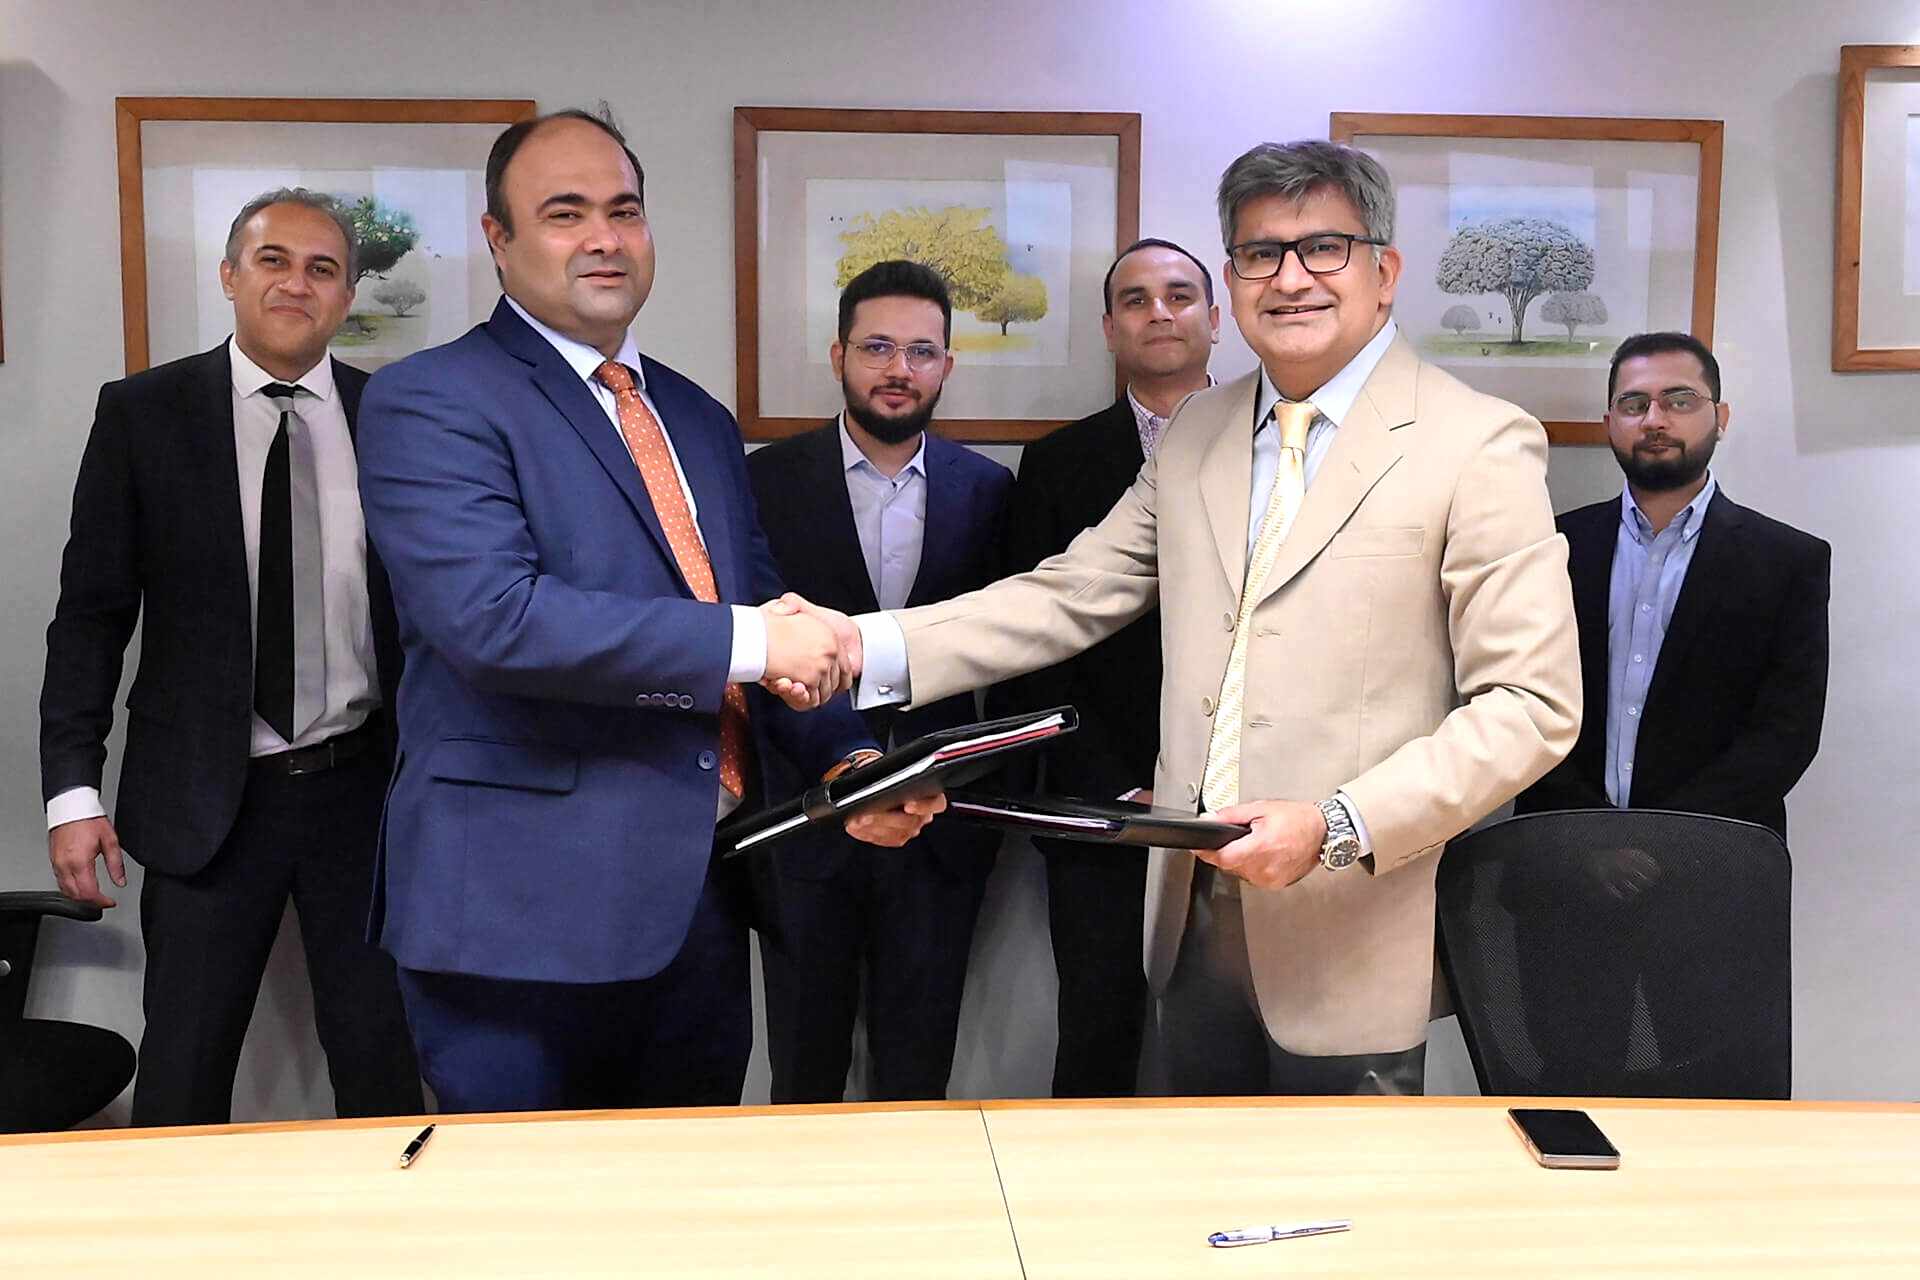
1368	637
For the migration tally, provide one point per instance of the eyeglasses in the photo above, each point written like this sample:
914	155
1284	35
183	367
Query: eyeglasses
878	353
1634	405
1321	254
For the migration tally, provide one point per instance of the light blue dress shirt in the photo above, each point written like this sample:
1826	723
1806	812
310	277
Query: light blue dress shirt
890	515
1648	571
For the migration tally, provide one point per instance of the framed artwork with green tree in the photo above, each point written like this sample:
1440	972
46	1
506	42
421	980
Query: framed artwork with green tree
409	173
1532	245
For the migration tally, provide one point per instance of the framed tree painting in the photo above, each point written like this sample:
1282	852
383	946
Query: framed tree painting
1021	212
1876	253
1534	244
409	172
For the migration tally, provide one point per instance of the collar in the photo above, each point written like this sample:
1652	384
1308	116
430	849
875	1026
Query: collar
249	377
581	358
1141	413
1335	399
851	457
1691	517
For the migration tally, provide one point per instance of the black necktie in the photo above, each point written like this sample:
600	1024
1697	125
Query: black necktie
274	627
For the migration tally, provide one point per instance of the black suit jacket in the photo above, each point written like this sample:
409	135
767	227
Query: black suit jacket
800	487
157	529
1069	480
1732	718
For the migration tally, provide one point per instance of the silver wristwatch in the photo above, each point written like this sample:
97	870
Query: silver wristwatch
1342	846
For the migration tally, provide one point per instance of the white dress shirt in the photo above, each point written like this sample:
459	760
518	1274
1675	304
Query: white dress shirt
890	515
747	661
352	690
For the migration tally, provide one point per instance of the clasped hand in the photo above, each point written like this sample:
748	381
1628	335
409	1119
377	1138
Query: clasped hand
813	653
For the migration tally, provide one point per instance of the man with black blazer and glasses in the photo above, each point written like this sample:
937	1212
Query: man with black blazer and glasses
1161	326
1703	654
869	511
218	496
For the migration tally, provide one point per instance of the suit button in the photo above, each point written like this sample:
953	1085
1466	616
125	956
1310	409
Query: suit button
1193	793
705	760
1206	706
686	702
641	700
1228	619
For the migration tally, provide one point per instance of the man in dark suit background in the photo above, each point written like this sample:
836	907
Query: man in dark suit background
217	495
1161	326
1703	624
873	511
574	551
1703	650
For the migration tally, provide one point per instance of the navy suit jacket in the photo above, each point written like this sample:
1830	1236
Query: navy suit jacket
157	530
1733	716
801	487
552	809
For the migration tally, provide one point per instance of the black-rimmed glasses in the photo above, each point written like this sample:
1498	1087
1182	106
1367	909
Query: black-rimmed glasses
1678	403
1322	254
878	353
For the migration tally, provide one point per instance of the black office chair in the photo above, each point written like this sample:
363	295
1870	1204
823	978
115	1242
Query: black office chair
52	1074
1621	953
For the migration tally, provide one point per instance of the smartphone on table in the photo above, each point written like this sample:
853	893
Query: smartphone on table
1564	1139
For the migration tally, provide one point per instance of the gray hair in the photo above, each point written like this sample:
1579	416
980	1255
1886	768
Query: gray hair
1295	170
311	199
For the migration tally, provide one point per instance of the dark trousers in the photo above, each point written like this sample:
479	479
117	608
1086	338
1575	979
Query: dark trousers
1212	1039
1095	897
911	927
309	837
678	1039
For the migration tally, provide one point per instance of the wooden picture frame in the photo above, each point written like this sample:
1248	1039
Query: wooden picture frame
1646	237
1874	326
132	114
800	174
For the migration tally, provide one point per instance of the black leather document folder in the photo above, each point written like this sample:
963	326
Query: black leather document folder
1106	822
921	767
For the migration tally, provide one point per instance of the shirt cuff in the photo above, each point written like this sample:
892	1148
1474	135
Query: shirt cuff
749	659
883	671
75	804
1345	801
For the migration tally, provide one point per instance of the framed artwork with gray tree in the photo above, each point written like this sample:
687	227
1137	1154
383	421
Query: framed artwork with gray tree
410	173
1534	244
1876	249
1020	211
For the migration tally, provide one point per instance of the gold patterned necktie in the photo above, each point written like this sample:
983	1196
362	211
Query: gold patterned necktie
648	446
1220	785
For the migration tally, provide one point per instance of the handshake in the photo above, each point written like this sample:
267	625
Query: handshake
813	653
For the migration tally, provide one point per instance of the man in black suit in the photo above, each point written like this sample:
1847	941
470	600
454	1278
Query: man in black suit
872	511
1703	650
1703	624
218	494
1161	325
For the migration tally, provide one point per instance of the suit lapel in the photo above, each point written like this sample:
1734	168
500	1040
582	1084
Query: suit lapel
1363	450
209	412
839	544
1226	481
706	473
1714	573
943	504
556	380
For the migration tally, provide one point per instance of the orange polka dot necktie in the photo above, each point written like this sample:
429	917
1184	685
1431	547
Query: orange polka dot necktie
647	444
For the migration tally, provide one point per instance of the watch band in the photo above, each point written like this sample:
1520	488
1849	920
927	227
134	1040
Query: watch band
853	760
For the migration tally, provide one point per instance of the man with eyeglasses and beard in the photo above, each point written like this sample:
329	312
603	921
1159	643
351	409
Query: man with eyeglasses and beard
1703	624
1703	652
871	511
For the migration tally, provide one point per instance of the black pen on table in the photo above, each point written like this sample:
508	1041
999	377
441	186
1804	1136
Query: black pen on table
412	1152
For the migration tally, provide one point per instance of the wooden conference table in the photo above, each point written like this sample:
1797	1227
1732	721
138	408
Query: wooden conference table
1436	1186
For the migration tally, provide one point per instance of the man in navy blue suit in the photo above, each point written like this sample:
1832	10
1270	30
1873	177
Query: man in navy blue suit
573	547
871	511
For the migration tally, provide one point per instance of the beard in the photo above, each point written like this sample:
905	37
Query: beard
889	428
1664	472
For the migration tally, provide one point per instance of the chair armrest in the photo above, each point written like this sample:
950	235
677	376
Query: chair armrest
45	903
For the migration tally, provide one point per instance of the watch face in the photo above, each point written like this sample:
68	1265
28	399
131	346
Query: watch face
1343	852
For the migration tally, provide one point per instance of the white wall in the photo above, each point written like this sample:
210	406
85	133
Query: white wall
1836	455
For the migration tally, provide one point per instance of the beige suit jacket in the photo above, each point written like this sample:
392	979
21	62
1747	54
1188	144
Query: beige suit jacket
1414	646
